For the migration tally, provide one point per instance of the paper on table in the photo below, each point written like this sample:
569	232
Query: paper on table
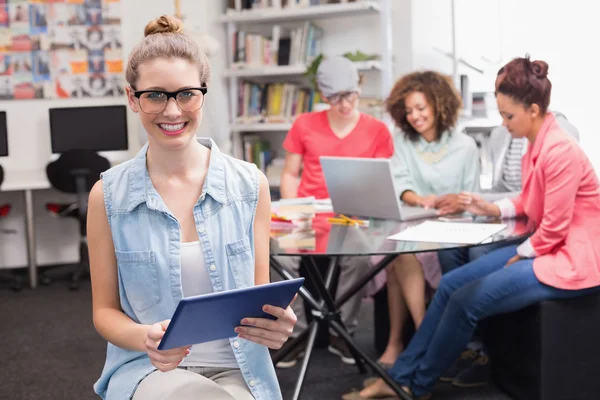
448	232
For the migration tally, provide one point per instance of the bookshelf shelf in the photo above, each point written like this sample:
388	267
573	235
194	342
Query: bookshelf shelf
261	127
301	13
283	70
289	70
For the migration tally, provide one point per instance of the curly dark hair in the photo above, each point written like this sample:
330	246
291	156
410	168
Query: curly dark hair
439	92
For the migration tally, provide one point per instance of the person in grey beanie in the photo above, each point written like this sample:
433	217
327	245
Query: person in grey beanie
343	131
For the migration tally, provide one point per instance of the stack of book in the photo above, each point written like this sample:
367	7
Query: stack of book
291	223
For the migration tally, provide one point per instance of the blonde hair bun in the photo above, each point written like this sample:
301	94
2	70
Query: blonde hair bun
163	24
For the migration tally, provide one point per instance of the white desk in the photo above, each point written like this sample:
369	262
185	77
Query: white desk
27	182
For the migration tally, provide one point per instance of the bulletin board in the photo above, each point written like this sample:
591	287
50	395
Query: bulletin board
53	49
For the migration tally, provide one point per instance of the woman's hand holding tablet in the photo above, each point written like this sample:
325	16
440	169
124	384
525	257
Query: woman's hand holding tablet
270	333
163	360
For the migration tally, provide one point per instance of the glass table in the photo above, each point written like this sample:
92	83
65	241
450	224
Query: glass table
319	239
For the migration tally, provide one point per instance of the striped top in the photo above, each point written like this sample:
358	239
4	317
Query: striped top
511	168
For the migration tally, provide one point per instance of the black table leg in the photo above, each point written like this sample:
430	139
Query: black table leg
326	311
332	313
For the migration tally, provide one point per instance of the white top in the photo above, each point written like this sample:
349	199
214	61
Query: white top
196	281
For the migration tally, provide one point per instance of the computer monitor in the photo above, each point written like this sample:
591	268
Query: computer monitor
3	135
99	128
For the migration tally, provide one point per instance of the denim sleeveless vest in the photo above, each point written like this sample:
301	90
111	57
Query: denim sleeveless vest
146	238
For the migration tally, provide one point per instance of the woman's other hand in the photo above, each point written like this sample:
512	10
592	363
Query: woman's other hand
475	204
427	201
448	204
270	333
163	360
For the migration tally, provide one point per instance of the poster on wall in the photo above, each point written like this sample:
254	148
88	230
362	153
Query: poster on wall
60	49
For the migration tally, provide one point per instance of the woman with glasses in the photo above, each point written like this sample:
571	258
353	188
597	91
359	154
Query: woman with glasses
431	160
342	131
180	219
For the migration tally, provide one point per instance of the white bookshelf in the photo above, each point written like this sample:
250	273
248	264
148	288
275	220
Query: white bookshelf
302	13
288	70
235	20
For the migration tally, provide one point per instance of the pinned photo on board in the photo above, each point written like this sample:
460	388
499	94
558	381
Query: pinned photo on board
4	15
18	16
6	92
21	64
5	67
96	62
93	15
93	40
38	18
112	35
5	40
76	14
111	12
41	66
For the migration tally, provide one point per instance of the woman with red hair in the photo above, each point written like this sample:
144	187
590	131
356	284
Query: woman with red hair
561	259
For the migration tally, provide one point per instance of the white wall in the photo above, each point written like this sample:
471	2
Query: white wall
557	32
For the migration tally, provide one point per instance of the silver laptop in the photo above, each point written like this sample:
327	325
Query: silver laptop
365	187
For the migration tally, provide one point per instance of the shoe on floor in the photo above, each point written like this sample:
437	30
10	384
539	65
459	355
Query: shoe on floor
463	362
339	347
477	374
291	359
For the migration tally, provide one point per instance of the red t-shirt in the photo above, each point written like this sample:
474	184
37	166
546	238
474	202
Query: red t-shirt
312	137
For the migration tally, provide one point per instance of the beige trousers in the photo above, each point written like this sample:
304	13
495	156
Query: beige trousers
194	383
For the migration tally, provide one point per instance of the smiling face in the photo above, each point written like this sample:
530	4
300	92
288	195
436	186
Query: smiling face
516	117
172	128
419	113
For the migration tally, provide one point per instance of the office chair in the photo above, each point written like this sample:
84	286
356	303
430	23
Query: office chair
14	279
76	171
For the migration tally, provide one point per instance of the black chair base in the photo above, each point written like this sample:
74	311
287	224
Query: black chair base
548	351
82	269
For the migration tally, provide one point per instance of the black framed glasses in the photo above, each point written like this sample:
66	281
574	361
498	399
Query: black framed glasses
338	97
155	101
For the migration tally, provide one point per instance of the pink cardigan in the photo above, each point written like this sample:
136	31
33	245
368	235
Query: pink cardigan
561	198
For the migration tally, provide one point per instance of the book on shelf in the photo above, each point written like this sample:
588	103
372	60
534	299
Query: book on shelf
257	151
285	46
273	102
